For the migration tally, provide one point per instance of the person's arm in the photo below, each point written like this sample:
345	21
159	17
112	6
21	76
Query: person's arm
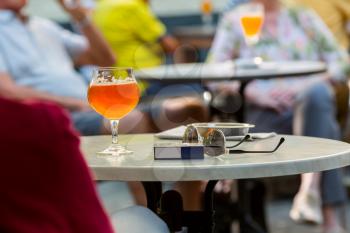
149	29
169	43
99	52
9	89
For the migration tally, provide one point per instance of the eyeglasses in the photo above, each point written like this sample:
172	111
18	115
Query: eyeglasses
214	142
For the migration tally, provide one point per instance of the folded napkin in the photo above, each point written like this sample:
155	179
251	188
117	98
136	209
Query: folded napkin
177	133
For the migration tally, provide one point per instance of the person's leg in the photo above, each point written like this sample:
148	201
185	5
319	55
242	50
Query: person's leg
314	113
191	194
87	123
136	122
138	193
266	120
315	116
178	111
333	197
138	219
174	105
306	206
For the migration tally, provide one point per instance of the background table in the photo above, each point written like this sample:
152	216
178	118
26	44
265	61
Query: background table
198	72
297	155
203	73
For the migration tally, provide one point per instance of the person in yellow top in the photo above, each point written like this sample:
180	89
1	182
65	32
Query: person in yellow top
335	13
137	37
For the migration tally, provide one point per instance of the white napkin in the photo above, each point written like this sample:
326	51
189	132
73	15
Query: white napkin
177	133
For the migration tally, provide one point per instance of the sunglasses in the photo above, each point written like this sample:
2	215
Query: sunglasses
214	142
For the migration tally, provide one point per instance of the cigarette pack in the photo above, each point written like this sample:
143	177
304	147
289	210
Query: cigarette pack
178	151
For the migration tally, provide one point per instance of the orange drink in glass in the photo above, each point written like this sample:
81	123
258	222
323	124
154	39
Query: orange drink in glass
252	18
206	7
113	93
251	25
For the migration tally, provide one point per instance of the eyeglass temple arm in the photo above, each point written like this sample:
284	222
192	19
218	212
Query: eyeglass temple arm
247	137
282	140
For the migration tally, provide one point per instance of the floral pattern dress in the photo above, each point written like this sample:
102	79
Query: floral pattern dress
299	34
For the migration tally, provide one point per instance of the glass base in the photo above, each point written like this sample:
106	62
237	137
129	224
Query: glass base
252	40
115	150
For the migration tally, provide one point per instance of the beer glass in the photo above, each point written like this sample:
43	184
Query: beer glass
113	93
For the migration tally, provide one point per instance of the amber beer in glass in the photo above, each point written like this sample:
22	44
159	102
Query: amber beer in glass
113	93
114	101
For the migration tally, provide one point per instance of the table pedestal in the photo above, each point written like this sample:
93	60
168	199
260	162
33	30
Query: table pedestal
251	193
169	207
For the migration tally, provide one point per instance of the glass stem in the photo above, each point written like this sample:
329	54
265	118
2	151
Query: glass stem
114	127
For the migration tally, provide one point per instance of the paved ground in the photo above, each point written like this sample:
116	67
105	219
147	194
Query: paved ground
116	196
280	221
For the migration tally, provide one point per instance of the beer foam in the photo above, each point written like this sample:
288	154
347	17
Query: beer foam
98	82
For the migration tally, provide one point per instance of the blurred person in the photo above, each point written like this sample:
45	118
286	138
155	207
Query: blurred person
140	40
301	106
37	61
335	13
134	32
46	184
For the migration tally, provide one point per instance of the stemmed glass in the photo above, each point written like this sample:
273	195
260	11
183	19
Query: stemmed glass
252	18
113	93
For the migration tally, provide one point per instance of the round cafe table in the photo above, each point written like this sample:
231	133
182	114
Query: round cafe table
297	155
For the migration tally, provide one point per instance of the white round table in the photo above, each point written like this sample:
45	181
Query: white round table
297	155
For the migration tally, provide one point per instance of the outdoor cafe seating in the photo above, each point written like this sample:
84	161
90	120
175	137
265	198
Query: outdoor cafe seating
164	116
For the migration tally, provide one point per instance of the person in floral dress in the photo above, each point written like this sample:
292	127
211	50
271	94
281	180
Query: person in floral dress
303	105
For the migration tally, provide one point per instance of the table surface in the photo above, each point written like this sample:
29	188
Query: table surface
297	155
194	72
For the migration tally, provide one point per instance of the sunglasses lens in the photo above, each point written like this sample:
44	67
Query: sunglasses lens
214	142
191	135
214	151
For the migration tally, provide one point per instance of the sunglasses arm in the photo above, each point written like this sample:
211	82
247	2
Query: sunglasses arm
246	138
282	140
